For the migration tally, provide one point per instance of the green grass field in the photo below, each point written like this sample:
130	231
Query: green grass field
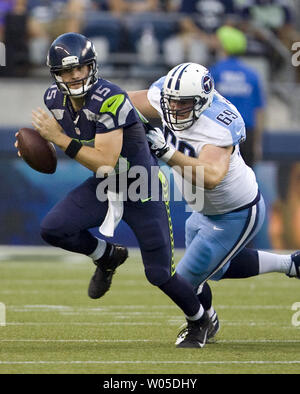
53	327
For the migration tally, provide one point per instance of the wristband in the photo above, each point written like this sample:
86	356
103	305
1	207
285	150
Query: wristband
73	148
168	154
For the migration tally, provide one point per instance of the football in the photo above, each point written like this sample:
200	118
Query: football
37	152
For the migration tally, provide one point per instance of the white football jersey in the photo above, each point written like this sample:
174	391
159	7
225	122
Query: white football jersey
220	125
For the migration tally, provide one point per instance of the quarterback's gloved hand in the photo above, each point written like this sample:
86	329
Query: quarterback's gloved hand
158	144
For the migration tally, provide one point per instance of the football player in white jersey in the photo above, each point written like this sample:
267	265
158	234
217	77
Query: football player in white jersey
203	129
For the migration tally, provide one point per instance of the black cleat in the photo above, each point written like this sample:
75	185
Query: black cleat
294	271
194	335
101	280
214	326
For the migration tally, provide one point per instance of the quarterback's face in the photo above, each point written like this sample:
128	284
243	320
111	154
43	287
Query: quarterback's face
75	74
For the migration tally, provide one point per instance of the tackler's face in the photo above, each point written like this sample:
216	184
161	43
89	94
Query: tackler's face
187	91
181	108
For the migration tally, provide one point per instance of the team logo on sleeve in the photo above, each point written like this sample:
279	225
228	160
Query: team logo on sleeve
207	83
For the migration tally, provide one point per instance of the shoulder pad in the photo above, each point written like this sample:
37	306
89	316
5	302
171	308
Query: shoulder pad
228	122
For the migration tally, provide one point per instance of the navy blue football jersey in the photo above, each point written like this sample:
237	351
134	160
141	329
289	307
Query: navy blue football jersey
106	108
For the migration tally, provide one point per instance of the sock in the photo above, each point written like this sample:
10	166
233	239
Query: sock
99	251
251	262
244	265
182	293
210	312
271	262
197	316
204	295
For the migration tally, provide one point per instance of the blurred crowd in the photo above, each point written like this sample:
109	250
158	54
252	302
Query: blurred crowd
147	32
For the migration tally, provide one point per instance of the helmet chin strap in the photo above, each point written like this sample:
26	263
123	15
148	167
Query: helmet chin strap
80	92
182	124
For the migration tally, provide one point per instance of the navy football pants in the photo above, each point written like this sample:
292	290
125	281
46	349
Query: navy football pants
67	225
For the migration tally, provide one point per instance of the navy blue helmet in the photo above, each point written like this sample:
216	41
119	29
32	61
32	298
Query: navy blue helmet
68	51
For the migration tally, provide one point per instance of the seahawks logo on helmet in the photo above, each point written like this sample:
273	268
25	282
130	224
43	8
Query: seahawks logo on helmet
207	83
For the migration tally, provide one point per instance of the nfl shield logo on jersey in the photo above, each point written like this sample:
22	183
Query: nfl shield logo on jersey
207	83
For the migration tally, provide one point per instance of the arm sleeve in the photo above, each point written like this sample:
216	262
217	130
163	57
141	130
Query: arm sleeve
154	94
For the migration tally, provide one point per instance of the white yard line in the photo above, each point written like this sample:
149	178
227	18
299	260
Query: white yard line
149	362
236	341
169	321
133	307
16	252
76	340
83	324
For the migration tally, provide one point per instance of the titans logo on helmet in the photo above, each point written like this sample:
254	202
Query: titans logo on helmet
207	83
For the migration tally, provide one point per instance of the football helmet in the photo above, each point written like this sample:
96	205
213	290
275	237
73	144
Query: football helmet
68	51
188	82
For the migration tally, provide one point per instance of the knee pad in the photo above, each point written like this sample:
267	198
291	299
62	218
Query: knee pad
51	230
49	237
157	276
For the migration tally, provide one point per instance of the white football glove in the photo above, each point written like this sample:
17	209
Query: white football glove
158	144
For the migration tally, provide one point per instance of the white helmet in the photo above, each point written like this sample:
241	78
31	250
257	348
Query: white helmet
188	81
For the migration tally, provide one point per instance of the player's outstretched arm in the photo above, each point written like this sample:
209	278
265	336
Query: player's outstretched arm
213	159
140	100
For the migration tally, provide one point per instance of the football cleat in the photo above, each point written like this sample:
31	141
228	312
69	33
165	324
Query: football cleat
68	51
214	326
294	271
194	335
102	278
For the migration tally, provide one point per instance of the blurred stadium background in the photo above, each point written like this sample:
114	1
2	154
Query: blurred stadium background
49	316
136	44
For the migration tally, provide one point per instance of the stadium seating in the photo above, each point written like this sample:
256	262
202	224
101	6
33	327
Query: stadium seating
123	34
163	25
104	25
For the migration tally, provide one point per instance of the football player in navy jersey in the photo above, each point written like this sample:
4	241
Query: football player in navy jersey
95	123
203	129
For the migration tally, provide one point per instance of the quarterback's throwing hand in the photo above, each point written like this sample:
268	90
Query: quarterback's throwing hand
46	125
158	144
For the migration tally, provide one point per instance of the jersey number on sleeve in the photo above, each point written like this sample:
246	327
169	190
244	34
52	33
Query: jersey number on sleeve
51	94
227	117
101	93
